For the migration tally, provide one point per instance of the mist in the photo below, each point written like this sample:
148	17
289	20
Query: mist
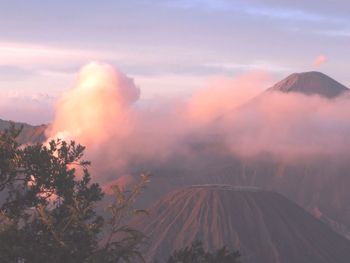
101	111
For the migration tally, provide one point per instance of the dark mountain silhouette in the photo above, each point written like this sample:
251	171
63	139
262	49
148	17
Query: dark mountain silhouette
265	226
29	134
310	83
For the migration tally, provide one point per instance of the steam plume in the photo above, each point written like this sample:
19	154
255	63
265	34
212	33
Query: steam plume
100	112
95	106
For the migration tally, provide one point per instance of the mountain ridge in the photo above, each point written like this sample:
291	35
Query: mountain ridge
310	83
29	133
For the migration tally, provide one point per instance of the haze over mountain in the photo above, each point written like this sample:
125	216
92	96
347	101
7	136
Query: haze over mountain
265	226
310	83
238	110
29	134
288	142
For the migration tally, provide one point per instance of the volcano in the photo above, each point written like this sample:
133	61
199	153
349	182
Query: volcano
265	226
310	83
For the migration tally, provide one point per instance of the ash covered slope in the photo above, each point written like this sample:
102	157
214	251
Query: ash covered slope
310	83
264	226
29	134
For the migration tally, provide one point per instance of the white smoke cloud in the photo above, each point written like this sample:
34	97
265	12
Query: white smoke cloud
96	106
100	112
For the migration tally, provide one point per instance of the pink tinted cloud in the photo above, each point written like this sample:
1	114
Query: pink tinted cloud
225	94
320	60
290	125
100	113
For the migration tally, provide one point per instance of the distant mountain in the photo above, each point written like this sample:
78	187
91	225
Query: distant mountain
318	183
310	83
265	226
29	134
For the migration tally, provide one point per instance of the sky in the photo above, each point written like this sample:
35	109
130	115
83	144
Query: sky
170	48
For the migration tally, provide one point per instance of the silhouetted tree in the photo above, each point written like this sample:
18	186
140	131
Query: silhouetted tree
195	253
122	243
47	212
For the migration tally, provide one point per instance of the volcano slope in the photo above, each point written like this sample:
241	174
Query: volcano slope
310	83
265	226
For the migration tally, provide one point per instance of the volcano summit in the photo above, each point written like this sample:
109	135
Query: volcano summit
310	83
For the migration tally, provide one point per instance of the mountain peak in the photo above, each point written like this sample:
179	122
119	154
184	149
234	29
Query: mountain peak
310	83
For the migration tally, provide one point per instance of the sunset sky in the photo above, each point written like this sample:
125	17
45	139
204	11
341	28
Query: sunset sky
170	48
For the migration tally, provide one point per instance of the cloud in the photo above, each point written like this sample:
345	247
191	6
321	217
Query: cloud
290	125
320	60
95	106
100	112
225	94
122	137
285	14
34	109
34	55
335	33
217	5
312	11
255	65
14	73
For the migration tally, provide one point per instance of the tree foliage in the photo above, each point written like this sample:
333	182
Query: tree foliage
195	253
47	207
122	243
